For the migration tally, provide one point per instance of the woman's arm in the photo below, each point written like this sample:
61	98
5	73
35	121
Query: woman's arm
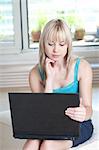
84	111
50	75
36	83
85	87
48	86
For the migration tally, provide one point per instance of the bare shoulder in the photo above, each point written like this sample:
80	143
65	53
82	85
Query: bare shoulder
33	71
85	65
34	79
33	74
85	68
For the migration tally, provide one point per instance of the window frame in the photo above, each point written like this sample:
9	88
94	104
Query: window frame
22	38
16	48
87	51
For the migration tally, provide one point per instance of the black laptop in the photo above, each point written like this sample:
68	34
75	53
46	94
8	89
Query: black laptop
42	115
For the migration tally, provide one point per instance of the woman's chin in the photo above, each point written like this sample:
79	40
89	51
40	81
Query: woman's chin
55	59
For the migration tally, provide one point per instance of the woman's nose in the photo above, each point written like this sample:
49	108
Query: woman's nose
55	48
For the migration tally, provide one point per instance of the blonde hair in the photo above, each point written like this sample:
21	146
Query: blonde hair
53	30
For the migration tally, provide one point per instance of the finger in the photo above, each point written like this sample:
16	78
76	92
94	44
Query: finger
80	113
76	114
73	109
49	60
77	117
76	110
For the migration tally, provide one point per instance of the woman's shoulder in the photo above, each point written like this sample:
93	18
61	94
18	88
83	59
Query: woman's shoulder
34	71
73	59
83	63
35	80
85	69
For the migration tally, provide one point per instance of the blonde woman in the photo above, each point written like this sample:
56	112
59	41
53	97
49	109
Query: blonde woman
59	71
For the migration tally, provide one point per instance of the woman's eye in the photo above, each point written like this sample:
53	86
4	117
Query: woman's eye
62	44
50	44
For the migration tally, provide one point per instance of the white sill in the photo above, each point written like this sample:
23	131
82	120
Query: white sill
31	57
19	58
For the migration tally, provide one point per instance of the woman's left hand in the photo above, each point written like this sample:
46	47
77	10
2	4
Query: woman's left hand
77	113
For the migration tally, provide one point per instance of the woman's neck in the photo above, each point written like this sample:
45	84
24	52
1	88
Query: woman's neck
60	64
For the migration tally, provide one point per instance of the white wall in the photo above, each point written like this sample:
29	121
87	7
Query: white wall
4	100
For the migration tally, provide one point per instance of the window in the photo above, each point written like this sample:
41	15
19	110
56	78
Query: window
20	18
82	17
10	31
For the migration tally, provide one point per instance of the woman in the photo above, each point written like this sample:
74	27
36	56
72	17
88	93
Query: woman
59	71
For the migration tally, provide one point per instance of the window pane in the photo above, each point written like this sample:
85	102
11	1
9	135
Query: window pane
81	16
6	22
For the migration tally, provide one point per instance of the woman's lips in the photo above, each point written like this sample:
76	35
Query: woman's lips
54	55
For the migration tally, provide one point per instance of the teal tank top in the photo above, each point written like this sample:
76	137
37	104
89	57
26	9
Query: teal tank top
70	88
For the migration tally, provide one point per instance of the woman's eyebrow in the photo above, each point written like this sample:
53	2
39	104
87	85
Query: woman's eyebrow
51	41
62	41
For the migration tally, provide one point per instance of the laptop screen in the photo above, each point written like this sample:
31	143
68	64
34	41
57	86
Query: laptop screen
42	115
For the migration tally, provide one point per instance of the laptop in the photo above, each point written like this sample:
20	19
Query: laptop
42	115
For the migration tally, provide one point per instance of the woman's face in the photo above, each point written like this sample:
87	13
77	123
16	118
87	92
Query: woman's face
56	50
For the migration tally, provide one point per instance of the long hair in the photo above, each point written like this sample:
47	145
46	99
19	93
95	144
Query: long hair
53	30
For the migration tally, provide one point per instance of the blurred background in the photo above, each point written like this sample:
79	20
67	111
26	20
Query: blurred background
21	23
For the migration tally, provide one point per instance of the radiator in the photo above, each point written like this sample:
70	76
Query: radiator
17	75
95	68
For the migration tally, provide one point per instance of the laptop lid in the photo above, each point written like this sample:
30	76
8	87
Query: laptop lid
42	115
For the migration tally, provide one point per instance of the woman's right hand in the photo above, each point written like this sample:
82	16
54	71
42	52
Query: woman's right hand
50	68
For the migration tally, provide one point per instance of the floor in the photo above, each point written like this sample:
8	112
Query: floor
7	142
